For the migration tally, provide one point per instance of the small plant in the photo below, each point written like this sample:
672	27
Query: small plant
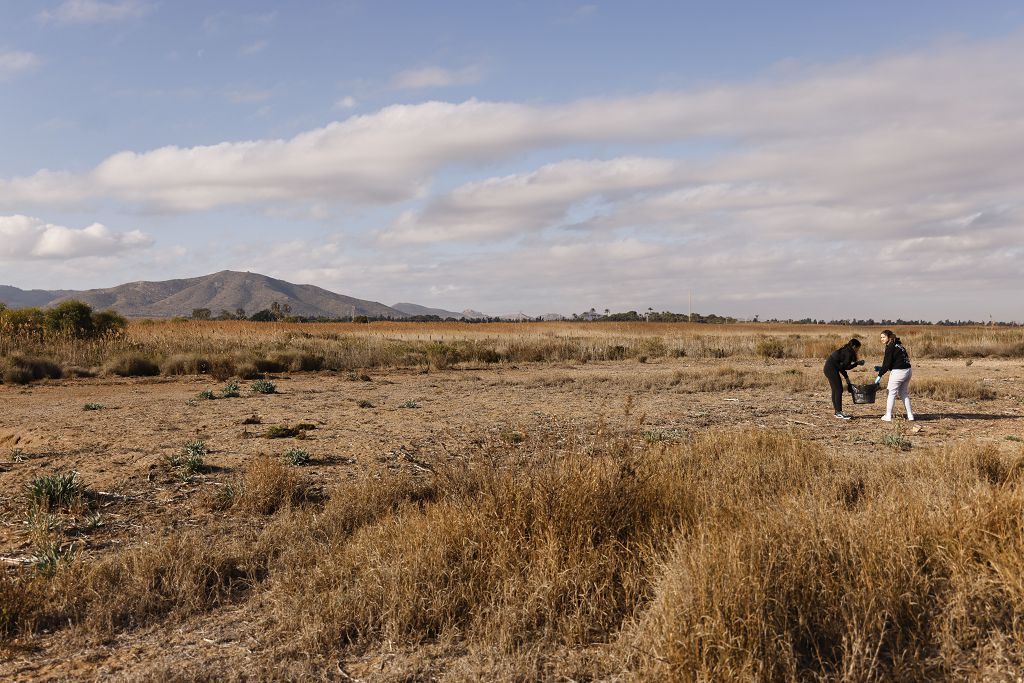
18	455
225	497
286	432
231	390
363	403
770	347
93	521
55	491
665	435
189	460
93	406
297	456
206	395
50	554
512	437
1014	438
253	419
263	386
896	440
410	404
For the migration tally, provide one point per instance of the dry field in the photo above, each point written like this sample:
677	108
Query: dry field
510	502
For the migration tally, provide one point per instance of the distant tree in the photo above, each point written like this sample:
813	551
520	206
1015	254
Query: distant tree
70	317
275	310
108	322
240	313
360	319
264	316
201	314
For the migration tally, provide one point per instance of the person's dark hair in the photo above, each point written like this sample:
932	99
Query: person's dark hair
891	337
853	343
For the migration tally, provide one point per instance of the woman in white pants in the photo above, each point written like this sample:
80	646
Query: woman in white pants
896	361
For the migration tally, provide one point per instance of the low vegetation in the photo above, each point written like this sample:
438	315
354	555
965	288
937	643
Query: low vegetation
732	555
248	350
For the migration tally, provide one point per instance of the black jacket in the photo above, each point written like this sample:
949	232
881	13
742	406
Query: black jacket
896	358
843	359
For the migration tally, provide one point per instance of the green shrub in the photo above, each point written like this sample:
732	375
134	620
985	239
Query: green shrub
60	490
190	459
263	386
93	406
297	456
206	395
231	390
186	364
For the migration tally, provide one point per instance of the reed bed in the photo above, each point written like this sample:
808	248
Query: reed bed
246	349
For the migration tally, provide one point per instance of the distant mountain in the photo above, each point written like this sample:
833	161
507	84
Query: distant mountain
416	309
470	314
227	290
22	298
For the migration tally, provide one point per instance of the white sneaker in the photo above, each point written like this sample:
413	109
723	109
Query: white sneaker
887	418
910	418
842	416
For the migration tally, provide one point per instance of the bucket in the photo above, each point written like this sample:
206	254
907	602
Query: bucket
864	393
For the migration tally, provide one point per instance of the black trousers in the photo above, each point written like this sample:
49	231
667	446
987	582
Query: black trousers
836	382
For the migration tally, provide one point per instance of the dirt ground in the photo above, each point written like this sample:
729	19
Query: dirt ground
388	421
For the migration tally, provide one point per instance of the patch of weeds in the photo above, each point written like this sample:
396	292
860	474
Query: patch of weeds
206	395
363	403
18	455
93	406
410	404
225	497
55	491
665	435
253	419
93	521
641	359
190	460
358	377
49	555
896	440
297	456
286	432
512	437
263	386
231	390
1014	438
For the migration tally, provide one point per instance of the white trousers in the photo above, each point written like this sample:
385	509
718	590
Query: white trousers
899	385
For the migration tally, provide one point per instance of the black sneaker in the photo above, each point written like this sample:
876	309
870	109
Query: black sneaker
842	416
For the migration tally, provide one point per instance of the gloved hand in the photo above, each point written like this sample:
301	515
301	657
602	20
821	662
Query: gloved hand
860	362
878	368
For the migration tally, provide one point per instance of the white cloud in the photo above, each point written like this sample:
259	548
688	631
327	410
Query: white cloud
347	102
28	238
435	77
518	204
253	48
14	63
95	11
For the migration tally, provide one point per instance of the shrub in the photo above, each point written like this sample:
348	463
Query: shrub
132	365
22	369
190	459
363	403
186	364
206	395
263	386
71	318
297	456
231	390
61	490
93	406
770	347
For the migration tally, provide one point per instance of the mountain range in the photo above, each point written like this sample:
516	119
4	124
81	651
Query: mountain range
224	291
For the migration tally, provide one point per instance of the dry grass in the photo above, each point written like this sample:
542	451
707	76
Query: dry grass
740	555
952	389
246	349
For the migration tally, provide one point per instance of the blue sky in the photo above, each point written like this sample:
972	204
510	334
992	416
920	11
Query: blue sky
778	159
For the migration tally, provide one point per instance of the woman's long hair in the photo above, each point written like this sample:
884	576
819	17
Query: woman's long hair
891	337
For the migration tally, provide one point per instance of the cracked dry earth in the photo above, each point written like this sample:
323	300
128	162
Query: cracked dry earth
400	419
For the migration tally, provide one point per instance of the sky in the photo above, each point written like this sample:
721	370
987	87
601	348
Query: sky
783	159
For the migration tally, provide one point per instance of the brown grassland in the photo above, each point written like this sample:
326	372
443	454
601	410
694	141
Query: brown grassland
558	501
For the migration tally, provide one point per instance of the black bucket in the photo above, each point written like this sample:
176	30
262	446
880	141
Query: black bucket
864	393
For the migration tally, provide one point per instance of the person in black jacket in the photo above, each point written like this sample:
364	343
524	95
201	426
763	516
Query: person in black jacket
897	360
839	361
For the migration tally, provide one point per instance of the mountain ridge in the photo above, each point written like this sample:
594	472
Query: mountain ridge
226	290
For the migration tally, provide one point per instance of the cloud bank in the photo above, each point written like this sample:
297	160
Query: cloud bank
25	237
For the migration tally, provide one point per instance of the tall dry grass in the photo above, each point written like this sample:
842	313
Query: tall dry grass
740	555
224	348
